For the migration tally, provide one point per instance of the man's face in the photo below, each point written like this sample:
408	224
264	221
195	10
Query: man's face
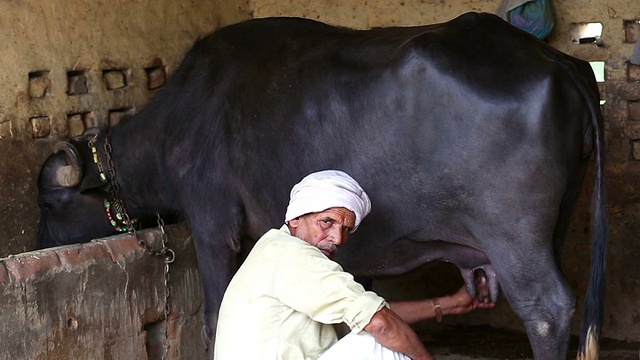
325	230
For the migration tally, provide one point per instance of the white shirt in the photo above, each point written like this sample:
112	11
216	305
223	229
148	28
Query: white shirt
282	300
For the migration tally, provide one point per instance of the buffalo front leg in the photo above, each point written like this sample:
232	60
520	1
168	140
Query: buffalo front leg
217	263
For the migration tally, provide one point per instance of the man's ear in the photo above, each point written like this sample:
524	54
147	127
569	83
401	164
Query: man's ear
293	225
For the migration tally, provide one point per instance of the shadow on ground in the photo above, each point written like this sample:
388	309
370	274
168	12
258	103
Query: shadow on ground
486	343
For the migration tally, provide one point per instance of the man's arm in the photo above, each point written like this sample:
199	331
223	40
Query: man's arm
413	311
391	328
459	303
395	334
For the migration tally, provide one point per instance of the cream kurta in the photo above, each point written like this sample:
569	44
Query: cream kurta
282	300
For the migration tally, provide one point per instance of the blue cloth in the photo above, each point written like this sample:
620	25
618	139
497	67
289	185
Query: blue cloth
537	17
635	58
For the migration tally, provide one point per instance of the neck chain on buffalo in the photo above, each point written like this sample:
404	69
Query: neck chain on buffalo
128	225
116	212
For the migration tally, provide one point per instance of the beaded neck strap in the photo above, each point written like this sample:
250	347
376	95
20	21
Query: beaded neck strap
114	208
96	159
116	219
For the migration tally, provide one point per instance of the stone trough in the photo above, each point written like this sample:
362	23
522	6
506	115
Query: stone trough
101	300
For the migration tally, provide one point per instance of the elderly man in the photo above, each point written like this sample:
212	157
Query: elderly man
283	300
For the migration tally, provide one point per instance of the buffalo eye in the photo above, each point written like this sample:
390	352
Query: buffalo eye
55	201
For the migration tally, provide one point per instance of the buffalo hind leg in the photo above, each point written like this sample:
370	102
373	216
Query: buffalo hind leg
536	290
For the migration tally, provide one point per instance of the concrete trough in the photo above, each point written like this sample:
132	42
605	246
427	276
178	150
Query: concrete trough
101	300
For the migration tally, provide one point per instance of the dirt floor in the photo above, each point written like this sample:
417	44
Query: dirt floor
486	343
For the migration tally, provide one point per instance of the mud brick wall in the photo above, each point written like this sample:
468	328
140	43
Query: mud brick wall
68	65
101	300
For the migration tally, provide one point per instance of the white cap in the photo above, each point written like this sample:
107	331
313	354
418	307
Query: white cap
327	189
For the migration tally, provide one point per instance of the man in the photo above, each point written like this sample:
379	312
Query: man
283	300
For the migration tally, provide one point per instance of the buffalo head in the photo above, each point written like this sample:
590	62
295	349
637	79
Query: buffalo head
71	202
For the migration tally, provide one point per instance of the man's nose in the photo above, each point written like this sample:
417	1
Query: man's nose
340	237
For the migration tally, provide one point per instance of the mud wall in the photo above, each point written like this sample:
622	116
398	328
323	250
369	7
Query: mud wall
68	65
71	64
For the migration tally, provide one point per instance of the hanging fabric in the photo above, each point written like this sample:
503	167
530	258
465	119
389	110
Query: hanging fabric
635	58
536	17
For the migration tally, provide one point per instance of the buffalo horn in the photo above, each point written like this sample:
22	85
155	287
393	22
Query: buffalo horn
91	132
68	175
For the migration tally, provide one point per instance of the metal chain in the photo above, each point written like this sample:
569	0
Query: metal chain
169	255
118	205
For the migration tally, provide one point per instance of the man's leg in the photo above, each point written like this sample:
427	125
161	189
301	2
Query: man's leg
360	347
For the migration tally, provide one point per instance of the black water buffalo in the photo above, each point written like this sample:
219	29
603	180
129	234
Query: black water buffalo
471	137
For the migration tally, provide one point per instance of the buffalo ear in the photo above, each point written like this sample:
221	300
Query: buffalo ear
91	181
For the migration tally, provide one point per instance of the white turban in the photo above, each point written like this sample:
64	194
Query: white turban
327	189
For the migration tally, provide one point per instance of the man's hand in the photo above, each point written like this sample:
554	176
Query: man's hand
461	303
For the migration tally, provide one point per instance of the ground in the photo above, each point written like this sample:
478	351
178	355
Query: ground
486	343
